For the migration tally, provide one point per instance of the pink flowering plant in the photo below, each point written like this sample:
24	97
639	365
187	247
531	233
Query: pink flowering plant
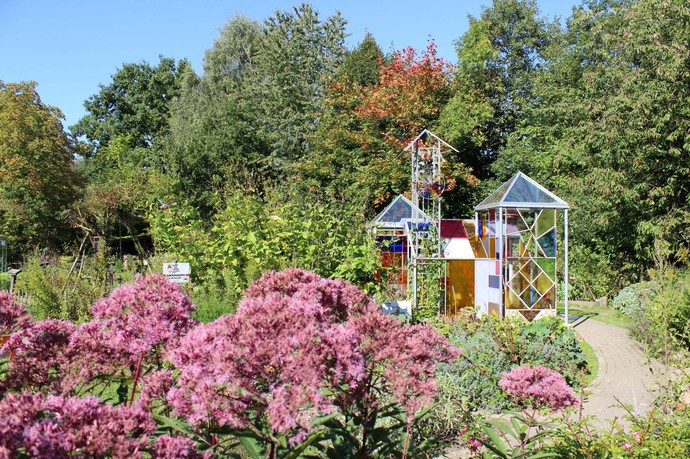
40	357
306	363
36	425
132	330
538	387
533	389
306	366
13	315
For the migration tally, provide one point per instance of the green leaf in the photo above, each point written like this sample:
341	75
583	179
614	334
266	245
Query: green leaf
175	424
251	446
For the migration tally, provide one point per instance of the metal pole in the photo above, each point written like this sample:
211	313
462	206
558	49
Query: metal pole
499	247
565	267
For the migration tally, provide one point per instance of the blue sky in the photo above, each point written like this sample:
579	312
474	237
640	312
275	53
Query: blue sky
71	46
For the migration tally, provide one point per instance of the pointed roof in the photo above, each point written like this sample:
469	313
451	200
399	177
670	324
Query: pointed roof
522	191
427	133
396	213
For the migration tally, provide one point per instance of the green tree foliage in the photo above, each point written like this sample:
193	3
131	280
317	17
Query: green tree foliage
248	236
497	58
610	135
37	181
248	119
136	103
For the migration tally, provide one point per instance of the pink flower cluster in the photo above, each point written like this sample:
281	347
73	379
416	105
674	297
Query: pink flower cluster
293	336
176	447
54	426
135	323
40	355
131	327
13	316
540	387
136	319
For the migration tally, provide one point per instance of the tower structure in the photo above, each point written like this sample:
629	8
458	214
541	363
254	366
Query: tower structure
425	263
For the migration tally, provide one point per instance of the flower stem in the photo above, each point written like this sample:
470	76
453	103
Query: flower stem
136	379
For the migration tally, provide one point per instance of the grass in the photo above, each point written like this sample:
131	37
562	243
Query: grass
592	362
595	311
209	308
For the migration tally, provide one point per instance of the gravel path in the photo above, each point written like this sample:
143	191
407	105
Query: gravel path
625	374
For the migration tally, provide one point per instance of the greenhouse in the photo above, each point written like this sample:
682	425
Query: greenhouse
502	262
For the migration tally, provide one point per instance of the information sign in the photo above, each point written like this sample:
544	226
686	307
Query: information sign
177	272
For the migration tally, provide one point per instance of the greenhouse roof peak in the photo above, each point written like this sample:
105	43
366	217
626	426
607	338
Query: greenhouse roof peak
522	192
397	212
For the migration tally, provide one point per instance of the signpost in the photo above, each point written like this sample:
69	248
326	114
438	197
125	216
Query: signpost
3	254
177	272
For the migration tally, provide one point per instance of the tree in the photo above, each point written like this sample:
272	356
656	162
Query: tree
299	54
357	155
248	119
37	180
214	141
609	134
136	103
497	58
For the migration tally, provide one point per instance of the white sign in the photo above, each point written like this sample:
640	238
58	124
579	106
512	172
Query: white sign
177	272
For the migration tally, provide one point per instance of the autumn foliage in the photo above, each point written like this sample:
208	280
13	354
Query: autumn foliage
408	95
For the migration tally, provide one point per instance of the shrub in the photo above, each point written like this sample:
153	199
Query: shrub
548	342
634	299
662	322
491	348
65	289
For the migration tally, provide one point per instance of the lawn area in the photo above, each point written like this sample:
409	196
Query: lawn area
592	362
595	311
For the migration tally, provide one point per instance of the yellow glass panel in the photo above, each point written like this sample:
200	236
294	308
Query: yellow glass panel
460	288
543	283
512	300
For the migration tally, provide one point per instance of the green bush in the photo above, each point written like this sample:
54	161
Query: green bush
634	299
662	323
548	342
248	235
491	347
5	281
65	289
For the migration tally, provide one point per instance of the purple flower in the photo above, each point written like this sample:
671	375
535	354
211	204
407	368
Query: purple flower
176	447
539	386
13	316
138	318
273	354
132	328
154	389
627	446
40	357
294	339
56	426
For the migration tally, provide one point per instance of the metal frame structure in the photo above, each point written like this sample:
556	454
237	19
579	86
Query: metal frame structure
426	266
522	216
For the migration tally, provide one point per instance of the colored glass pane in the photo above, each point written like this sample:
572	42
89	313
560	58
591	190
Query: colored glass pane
548	243
548	265
545	222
